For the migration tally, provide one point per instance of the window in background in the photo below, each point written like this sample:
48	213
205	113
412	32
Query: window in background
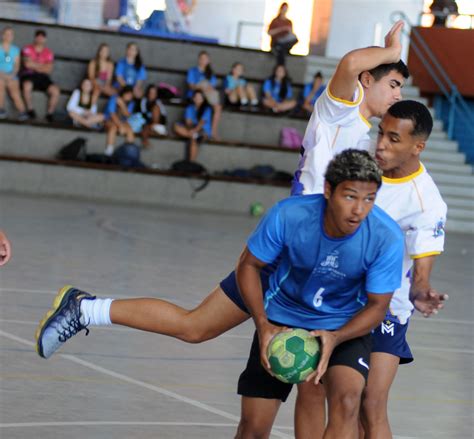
300	12
465	20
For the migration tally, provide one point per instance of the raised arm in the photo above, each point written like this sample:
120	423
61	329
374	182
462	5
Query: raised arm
344	82
425	299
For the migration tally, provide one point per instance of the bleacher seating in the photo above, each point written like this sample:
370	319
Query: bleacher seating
248	138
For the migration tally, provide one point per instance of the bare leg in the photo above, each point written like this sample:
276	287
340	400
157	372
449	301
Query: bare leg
129	134
286	105
217	110
257	417
193	150
233	97
344	388
383	368
250	90
111	133
182	131
81	120
53	92
27	90
3	85
214	316
310	411
14	90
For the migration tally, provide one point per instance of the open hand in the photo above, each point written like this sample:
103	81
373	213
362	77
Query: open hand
392	40
429	302
5	249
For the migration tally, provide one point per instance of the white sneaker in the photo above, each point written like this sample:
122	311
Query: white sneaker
109	150
160	129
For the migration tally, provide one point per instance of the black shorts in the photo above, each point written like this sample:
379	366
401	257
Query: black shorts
40	81
256	382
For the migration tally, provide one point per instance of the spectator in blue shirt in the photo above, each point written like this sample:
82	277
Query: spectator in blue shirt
131	71
312	91
9	66
197	124
154	113
277	91
202	78
119	108
236	88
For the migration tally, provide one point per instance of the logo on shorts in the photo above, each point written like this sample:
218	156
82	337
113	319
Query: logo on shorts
363	363
388	327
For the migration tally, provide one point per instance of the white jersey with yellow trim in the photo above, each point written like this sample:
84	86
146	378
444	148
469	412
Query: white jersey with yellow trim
335	125
415	203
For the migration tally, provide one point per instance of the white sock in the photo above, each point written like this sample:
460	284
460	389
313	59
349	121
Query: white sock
109	150
254	102
96	312
244	101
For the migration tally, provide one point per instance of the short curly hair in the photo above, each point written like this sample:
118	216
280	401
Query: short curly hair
353	165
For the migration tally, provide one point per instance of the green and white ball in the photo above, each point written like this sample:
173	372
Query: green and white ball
257	209
293	355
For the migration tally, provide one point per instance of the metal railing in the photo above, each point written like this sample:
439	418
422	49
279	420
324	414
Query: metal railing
458	107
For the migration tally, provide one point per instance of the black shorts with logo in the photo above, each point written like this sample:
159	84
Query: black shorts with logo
256	382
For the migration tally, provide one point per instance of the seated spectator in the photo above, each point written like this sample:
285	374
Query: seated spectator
131	71
9	66
100	71
197	123
277	91
38	63
154	113
237	90
312	91
281	33
82	107
202	78
119	108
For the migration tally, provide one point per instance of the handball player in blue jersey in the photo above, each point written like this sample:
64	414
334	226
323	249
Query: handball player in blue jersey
340	259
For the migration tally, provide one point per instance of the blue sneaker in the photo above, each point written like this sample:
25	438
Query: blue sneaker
62	321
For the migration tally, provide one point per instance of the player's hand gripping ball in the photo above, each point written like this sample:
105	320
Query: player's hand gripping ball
293	355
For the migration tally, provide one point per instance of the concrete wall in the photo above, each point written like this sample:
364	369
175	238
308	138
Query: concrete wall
219	19
353	23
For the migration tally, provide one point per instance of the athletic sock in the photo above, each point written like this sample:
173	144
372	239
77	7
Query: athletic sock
244	101
96	312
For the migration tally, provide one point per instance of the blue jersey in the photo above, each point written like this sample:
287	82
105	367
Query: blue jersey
307	90
129	73
195	76
7	59
322	282
274	90
112	107
191	113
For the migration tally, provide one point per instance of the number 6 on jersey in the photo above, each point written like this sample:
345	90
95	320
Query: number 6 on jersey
318	298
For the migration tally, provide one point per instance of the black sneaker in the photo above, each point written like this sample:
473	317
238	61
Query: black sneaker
49	117
31	114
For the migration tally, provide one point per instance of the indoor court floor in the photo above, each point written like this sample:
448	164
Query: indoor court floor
121	383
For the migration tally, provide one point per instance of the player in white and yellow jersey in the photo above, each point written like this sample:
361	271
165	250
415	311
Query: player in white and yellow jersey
410	196
365	84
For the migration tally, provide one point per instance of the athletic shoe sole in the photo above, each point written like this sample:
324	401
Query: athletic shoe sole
59	303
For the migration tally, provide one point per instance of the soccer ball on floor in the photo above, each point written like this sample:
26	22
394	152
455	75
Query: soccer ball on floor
293	355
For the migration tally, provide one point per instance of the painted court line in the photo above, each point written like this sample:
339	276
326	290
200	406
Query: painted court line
139	383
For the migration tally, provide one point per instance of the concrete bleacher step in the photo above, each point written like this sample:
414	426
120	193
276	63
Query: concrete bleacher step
139	188
133	187
448	168
44	141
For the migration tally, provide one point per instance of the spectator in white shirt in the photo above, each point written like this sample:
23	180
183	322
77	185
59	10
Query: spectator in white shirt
82	106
